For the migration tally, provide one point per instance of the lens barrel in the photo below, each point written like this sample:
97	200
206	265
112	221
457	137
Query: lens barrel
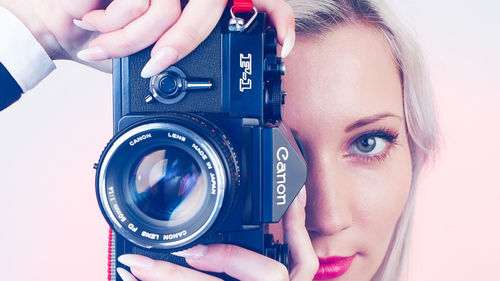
164	182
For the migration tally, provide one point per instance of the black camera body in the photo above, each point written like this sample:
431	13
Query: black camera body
199	153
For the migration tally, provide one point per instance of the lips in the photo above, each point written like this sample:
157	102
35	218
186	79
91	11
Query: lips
333	267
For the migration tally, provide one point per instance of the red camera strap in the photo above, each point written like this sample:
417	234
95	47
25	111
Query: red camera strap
242	6
110	255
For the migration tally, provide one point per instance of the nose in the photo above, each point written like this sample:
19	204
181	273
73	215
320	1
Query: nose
329	208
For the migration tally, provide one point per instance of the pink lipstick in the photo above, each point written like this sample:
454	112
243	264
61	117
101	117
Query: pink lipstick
333	267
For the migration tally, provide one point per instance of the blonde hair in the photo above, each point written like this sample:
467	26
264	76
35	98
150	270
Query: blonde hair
315	18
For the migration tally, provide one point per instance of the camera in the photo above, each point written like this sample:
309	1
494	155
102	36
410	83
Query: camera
199	153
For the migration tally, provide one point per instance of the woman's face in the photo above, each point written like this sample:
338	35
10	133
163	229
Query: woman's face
345	105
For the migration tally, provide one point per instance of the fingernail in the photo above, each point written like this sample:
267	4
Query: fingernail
136	261
302	197
195	252
84	25
288	44
125	275
161	60
93	54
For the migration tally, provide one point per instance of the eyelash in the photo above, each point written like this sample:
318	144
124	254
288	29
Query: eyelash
388	135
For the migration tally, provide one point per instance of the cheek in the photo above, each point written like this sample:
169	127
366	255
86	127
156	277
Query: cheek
382	195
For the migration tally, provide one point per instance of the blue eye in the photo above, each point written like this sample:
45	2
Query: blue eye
372	143
368	145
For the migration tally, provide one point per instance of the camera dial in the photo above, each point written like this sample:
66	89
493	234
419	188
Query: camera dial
171	86
274	68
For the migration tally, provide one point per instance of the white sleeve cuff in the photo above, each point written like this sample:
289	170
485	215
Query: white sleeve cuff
21	54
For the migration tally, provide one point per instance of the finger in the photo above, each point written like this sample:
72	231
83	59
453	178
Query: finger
104	66
147	269
198	19
235	261
282	17
117	15
304	260
80	7
125	275
137	35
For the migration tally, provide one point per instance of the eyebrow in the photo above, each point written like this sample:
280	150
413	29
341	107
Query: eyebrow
369	120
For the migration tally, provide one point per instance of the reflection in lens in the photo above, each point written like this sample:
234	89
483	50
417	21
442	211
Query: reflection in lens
168	185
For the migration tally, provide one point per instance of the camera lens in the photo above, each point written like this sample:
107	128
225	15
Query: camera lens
168	185
166	182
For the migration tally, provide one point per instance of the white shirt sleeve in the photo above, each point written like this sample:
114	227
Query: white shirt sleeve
21	54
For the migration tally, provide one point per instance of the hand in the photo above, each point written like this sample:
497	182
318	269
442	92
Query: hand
120	28
237	262
128	26
51	22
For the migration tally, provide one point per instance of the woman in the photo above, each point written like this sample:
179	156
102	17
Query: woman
359	103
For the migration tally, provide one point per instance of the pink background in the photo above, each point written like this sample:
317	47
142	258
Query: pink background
51	228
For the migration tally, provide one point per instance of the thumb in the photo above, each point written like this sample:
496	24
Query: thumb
304	260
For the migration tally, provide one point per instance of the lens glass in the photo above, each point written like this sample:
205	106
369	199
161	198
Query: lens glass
168	185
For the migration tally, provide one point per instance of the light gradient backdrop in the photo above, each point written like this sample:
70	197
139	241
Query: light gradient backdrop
51	228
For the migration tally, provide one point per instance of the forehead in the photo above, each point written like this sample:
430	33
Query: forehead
350	72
